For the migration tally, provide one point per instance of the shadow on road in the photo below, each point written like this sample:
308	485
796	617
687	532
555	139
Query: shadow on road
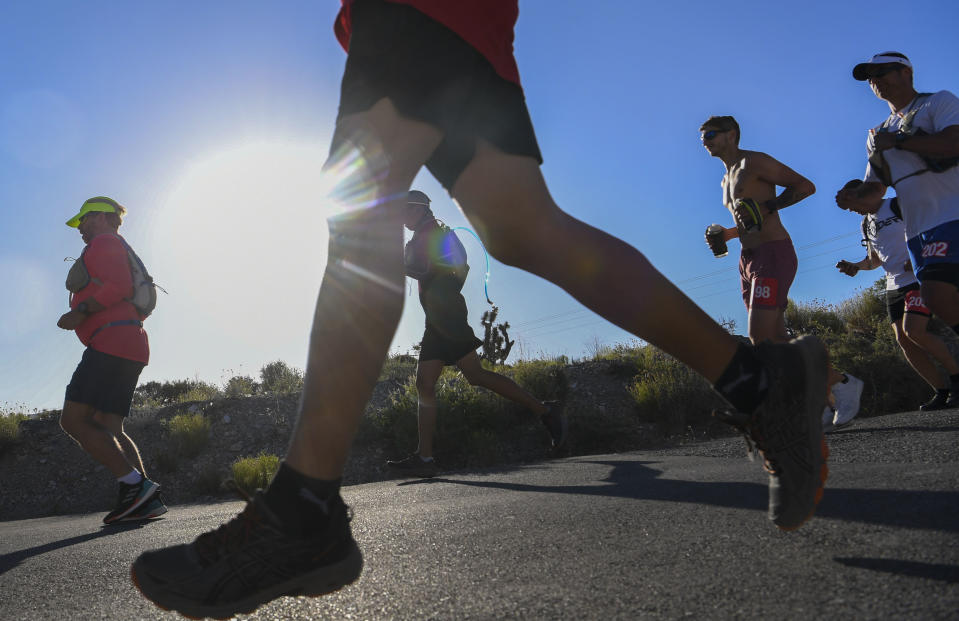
915	569
932	510
851	430
11	560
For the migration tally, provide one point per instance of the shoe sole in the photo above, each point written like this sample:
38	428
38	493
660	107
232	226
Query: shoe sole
150	492
322	581
815	360
150	515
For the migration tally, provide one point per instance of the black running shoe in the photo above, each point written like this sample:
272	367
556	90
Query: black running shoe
130	498
787	428
953	401
414	466
249	561
556	423
938	402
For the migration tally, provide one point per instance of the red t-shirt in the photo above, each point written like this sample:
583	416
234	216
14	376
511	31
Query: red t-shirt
487	25
110	282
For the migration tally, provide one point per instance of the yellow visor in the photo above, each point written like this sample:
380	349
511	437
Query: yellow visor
99	203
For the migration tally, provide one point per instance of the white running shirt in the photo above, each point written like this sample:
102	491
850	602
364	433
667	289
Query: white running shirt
929	199
886	235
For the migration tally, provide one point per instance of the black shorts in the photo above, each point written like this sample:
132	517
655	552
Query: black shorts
905	300
432	75
448	336
941	272
106	382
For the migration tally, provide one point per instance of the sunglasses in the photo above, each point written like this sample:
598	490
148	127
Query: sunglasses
883	70
712	133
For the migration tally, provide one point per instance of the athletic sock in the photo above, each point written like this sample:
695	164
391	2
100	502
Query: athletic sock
131	478
744	383
301	502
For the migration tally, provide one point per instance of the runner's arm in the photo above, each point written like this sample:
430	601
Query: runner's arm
795	186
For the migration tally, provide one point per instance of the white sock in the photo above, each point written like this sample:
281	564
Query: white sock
131	478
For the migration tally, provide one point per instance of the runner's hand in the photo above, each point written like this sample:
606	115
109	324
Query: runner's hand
847	268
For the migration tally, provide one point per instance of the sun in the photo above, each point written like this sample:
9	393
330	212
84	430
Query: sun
240	243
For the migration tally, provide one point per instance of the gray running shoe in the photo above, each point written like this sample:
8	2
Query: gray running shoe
414	466
787	428
249	561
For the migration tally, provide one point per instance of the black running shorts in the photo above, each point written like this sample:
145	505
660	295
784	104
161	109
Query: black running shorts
448	336
905	300
104	381
432	75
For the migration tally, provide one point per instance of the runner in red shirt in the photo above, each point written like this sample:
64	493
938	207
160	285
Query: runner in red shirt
101	389
432	82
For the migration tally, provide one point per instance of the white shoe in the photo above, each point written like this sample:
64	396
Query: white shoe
847	395
828	415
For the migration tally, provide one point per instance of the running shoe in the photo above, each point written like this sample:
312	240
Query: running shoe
848	394
130	498
939	401
249	561
828	415
148	511
556	423
414	466
953	401
787	428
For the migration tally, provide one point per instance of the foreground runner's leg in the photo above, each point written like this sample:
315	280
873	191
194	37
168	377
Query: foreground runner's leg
297	533
781	388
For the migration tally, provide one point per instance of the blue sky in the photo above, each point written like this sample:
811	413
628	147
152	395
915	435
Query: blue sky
210	121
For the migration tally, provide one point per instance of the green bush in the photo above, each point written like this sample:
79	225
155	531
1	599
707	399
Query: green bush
475	426
398	367
189	434
201	391
240	386
10	428
544	379
158	394
669	392
279	378
252	473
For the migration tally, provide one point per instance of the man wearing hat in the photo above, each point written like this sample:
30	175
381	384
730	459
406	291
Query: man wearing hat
915	150
101	389
435	258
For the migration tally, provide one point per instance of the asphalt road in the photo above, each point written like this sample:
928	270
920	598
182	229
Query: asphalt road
679	533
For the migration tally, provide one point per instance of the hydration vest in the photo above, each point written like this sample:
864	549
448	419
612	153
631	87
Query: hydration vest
144	297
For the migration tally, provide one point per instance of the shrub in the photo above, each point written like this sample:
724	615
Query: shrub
669	392
543	378
157	394
815	317
201	391
240	386
189	434
10	428
398	367
279	378
252	473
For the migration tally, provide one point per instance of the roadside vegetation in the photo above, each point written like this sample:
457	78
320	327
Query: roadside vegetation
476	428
